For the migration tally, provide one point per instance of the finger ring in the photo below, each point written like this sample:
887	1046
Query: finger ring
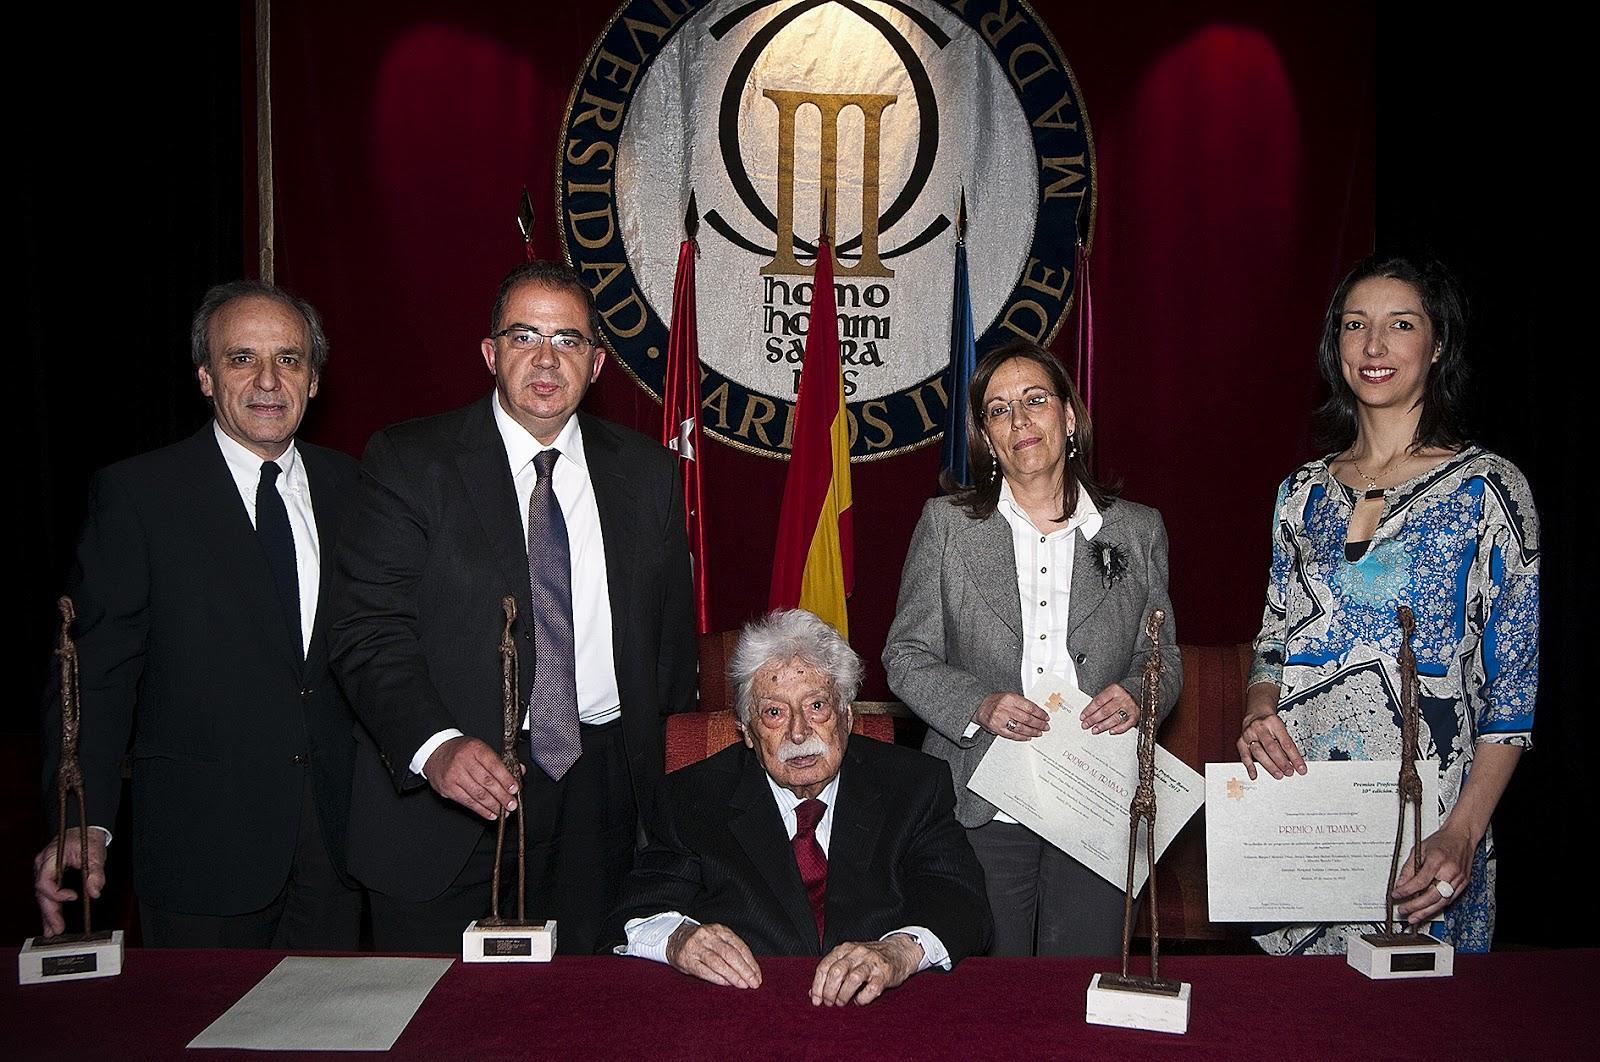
1012	725
1123	712
1446	889
1254	742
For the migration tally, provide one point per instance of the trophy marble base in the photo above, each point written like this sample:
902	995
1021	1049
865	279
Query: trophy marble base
1382	956
71	957
489	941
1141	1004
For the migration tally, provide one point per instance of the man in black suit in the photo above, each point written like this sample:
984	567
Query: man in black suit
802	841
201	586
581	523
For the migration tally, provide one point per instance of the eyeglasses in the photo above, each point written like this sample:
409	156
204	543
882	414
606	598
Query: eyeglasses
1033	403
566	342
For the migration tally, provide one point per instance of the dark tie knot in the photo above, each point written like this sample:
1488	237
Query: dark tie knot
808	813
544	461
269	472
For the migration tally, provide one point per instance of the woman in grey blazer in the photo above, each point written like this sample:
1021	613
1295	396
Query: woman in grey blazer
1036	569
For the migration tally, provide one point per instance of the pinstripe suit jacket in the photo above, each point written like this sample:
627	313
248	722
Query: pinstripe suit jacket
716	850
957	631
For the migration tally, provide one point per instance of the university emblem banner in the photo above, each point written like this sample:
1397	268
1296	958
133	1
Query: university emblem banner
885	110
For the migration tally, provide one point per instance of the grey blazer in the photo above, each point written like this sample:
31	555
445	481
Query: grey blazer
957	631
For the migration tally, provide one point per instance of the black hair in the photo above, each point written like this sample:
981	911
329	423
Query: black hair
554	275
1444	395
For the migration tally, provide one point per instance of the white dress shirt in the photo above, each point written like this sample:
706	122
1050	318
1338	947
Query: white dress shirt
647	937
598	699
295	489
1044	586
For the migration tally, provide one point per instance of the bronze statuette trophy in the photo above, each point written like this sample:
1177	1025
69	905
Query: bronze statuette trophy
1125	999
1401	950
497	939
70	956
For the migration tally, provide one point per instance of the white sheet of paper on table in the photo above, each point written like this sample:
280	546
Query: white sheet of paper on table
1307	848
1072	786
313	1003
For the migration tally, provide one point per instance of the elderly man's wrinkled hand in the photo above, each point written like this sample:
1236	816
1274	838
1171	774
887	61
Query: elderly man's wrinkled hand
713	952
861	972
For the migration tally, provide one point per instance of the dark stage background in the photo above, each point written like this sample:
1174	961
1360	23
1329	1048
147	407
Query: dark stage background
1247	153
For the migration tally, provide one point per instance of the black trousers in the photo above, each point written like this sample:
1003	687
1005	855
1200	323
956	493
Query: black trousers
581	832
1044	901
314	911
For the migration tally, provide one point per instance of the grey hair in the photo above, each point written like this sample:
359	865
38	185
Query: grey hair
222	294
783	635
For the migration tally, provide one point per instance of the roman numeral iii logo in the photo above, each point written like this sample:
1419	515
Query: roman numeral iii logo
829	105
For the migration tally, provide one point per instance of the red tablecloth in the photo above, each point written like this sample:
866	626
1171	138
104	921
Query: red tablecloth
1528	1005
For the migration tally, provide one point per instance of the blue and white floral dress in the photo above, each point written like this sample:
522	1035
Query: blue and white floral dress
1458	544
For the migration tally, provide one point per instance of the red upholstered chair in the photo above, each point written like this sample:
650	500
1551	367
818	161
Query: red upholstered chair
716	649
692	736
1201	729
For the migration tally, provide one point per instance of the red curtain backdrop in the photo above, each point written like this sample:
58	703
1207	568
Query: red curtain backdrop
1235	147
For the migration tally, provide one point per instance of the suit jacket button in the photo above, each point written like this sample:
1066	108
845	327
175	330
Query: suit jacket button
300	759
1080	657
306	692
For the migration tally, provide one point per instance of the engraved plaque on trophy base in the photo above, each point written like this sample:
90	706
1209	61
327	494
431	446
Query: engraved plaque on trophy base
69	957
1382	956
1139	1003
489	940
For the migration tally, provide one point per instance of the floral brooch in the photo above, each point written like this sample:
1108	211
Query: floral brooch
1112	561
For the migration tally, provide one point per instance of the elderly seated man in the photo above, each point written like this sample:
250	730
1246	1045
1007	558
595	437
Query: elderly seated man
804	841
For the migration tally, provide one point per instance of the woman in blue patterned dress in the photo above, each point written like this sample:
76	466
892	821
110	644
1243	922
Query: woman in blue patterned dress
1407	511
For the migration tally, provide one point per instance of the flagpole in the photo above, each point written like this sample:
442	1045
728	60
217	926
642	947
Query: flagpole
265	214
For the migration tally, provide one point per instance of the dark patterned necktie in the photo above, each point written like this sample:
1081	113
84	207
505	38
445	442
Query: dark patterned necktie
553	705
277	542
809	857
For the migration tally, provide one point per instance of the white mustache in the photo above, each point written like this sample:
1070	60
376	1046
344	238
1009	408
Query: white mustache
812	746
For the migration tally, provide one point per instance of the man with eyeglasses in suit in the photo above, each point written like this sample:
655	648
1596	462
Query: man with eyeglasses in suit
581	522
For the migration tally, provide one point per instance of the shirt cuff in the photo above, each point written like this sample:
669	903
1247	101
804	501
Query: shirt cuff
972	728
105	831
934	952
420	760
647	937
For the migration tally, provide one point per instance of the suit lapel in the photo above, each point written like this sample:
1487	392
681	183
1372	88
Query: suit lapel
228	533
1088	587
986	547
857	822
614	499
486	478
759	830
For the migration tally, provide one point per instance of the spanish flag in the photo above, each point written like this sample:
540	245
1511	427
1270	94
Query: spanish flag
814	565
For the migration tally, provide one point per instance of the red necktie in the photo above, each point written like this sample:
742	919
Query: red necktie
810	858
